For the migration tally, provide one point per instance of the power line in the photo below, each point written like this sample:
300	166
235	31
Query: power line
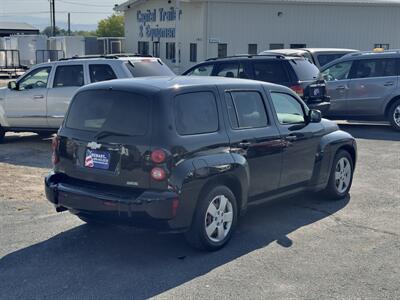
83	4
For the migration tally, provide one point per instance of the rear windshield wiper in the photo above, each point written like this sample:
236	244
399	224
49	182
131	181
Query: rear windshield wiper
105	133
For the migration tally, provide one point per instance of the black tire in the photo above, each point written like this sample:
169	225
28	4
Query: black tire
332	191
394	112
44	135
2	134
197	236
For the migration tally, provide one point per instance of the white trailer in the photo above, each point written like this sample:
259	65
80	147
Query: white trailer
70	45
27	45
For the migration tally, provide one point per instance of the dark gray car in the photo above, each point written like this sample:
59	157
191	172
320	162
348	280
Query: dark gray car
365	86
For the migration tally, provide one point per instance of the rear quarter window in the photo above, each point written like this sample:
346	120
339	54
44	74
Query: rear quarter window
104	110
270	71
304	69
196	113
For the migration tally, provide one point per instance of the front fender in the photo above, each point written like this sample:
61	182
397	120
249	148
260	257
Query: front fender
328	147
193	175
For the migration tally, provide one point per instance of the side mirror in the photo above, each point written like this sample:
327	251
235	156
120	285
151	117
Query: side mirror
12	85
314	116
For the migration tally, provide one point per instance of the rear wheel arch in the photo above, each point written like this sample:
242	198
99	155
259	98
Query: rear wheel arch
231	182
389	105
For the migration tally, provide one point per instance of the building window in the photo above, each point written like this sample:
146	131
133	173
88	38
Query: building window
297	46
156	49
222	50
276	46
193	52
252	49
143	48
170	51
383	46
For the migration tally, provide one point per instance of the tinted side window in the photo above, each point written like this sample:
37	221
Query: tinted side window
270	71
228	70
204	70
68	76
101	72
374	68
304	69
246	110
196	113
288	109
324	59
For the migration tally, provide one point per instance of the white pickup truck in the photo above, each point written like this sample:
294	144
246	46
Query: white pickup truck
38	100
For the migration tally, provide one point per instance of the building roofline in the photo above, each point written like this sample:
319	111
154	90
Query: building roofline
131	3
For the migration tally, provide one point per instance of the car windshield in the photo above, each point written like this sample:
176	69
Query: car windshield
109	111
148	67
305	69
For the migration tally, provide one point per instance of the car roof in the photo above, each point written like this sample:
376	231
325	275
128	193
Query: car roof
364	55
311	50
159	83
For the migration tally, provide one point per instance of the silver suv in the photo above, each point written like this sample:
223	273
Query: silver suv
365	86
39	99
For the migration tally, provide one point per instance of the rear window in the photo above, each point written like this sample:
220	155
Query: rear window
117	111
148	67
305	70
196	113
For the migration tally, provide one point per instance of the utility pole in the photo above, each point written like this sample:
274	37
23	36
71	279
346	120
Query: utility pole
69	23
53	16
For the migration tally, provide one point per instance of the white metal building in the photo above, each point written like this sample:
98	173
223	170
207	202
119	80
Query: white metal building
198	29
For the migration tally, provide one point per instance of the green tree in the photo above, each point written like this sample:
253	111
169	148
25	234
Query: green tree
49	32
112	26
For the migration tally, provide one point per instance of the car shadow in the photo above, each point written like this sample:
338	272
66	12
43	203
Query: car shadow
26	150
371	132
119	262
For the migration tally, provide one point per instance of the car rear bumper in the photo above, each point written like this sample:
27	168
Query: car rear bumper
141	208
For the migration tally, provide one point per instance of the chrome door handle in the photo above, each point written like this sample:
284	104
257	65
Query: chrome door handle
390	83
244	144
38	97
291	138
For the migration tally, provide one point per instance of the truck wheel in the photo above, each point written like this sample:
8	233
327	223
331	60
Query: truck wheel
214	221
341	176
2	134
394	115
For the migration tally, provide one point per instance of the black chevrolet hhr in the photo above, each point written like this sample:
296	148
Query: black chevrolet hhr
190	154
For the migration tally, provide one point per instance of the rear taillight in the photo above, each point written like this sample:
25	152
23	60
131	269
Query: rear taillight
55	143
158	174
298	90
158	156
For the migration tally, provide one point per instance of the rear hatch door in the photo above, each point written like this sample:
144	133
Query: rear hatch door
106	138
308	77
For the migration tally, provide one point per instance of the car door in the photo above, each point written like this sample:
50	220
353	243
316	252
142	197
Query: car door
254	136
25	106
301	139
66	81
337	86
372	82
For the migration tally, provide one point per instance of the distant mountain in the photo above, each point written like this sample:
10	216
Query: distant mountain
42	23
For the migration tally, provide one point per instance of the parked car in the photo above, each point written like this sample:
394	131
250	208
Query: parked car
39	99
365	86
189	155
295	72
319	56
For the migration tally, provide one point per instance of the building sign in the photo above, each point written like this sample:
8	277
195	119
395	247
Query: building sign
149	30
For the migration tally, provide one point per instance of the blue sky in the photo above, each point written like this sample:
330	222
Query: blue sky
84	14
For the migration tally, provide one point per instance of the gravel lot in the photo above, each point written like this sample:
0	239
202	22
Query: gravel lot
302	248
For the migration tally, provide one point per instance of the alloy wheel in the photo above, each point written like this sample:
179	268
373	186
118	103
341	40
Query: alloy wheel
342	175
219	218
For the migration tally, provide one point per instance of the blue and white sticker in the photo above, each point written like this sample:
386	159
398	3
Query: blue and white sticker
97	159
